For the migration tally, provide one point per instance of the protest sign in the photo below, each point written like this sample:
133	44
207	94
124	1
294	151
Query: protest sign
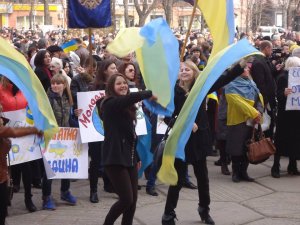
66	155
91	128
293	99
23	149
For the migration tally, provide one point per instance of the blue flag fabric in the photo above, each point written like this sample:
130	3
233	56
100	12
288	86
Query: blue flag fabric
89	14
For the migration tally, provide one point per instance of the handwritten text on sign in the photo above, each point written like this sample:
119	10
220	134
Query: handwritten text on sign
293	99
67	156
91	128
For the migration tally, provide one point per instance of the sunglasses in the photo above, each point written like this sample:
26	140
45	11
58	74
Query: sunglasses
131	70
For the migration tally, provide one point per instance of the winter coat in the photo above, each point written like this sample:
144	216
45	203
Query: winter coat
80	83
287	136
61	108
200	143
44	76
119	146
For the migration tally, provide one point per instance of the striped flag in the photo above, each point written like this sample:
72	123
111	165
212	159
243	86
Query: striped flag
69	46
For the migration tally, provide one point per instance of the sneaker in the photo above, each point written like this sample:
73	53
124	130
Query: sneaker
68	197
48	203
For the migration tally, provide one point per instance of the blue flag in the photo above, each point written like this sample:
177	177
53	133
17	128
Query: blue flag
89	14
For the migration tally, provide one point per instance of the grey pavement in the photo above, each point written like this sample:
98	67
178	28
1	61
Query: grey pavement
267	201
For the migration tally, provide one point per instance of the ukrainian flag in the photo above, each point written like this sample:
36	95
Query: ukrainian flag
69	46
15	67
157	51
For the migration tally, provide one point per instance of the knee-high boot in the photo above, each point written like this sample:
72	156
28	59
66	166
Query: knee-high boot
275	171
236	172
244	173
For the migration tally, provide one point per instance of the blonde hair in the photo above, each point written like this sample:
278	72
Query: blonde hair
61	79
190	64
292	61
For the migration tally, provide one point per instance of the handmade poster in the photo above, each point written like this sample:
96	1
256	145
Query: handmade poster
293	99
23	149
66	155
90	124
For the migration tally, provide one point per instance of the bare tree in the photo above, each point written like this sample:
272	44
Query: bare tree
168	8
46	13
126	17
145	10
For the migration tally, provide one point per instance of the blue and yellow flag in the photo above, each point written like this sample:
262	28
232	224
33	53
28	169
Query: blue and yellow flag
69	46
89	14
241	95
15	67
183	127
219	16
157	51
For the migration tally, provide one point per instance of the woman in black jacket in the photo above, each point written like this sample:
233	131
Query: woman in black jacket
120	159
42	62
198	144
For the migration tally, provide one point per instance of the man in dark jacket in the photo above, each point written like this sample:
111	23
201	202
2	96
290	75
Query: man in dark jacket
263	73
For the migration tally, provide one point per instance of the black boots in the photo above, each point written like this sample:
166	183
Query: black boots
204	215
168	219
239	172
244	174
94	197
275	170
236	172
29	205
292	168
224	169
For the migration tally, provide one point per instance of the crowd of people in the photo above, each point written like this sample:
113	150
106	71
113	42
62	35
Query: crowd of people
225	125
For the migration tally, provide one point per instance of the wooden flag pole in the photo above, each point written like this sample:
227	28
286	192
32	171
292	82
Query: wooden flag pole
188	31
91	52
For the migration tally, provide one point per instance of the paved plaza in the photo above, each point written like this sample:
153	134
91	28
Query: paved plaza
267	201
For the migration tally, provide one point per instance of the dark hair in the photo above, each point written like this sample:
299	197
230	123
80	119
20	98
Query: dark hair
39	58
65	62
101	78
110	92
122	67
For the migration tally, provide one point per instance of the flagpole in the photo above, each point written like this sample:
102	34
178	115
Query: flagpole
91	52
188	31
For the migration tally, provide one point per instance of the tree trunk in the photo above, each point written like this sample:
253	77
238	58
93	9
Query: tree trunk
168	8
113	13
145	11
126	17
46	13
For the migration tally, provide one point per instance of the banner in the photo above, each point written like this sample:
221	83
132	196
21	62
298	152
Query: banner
89	13
66	155
293	99
90	124
23	149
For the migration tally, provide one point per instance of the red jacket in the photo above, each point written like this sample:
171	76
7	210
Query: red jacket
10	102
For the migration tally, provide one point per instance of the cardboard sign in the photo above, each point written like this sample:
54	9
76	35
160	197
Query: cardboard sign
293	99
66	155
90	124
23	149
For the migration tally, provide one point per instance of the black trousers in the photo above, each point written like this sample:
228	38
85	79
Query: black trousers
201	173
95	152
25	170
124	181
3	202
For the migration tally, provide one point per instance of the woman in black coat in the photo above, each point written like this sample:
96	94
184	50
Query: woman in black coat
120	159
198	144
287	138
42	62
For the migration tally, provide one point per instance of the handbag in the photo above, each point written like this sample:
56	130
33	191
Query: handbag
159	150
259	147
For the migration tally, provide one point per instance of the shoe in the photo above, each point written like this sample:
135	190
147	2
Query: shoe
218	162
245	177
16	188
68	197
190	185
275	172
168	219
292	169
151	191
30	206
235	177
224	169
294	172
205	217
94	197
48	203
